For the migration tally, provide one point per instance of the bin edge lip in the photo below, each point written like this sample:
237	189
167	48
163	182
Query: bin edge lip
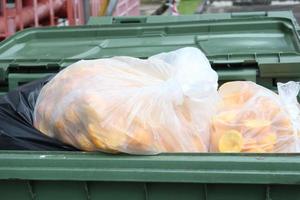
185	168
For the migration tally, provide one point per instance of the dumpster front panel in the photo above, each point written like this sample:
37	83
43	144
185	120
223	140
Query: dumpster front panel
79	190
80	175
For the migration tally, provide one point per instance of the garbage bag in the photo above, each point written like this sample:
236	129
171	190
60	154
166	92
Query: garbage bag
124	104
16	121
254	119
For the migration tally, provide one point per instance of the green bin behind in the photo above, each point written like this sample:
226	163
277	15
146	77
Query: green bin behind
261	46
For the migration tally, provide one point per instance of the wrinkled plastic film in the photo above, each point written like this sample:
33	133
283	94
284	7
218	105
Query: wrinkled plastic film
252	119
125	104
16	121
288	93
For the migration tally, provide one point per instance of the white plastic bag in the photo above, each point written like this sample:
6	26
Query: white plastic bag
125	104
288	93
253	119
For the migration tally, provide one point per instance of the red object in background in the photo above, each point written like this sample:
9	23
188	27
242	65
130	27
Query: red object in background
127	7
21	14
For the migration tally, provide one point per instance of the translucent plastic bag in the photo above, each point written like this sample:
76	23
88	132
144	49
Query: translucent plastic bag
125	104
253	119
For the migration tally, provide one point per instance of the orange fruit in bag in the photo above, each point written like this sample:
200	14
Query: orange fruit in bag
257	126
231	141
260	122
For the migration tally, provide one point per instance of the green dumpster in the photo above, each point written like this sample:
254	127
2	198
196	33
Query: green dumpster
262	47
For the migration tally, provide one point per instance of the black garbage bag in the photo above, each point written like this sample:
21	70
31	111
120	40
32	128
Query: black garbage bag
16	121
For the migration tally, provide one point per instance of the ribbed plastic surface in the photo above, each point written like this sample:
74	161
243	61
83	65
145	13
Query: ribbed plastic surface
81	176
262	46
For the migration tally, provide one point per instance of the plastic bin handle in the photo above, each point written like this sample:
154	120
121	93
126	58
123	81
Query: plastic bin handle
40	66
248	14
238	74
129	20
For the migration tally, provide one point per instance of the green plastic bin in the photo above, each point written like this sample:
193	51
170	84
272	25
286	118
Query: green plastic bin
261	47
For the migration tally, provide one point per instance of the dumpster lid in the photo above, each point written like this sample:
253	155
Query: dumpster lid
269	40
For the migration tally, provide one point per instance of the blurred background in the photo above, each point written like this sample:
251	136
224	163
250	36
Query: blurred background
16	15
